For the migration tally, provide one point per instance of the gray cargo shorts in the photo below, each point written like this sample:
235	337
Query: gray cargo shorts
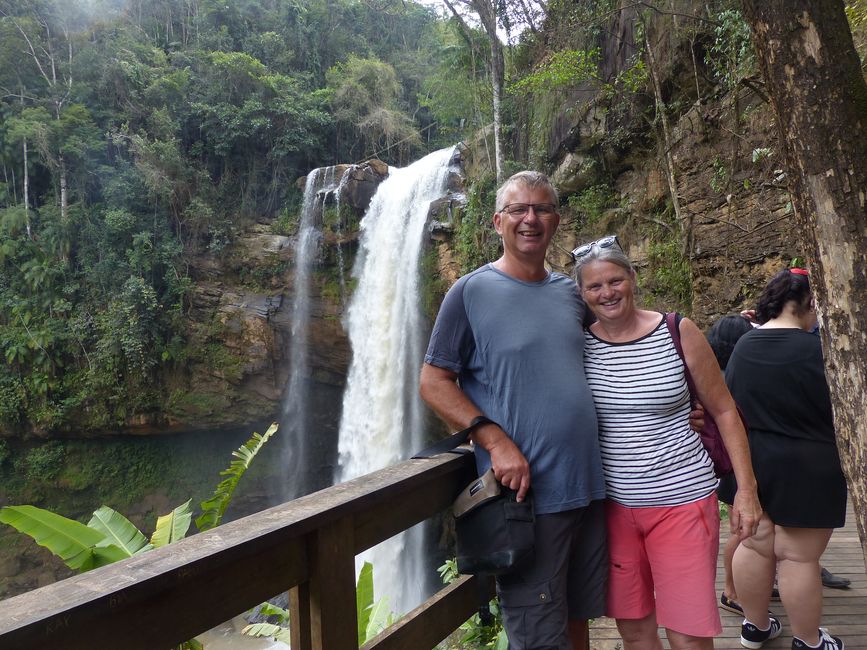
566	580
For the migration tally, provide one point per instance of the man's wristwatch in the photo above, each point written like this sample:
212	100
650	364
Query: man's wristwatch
480	420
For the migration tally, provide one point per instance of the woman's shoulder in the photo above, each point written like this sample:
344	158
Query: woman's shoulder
782	343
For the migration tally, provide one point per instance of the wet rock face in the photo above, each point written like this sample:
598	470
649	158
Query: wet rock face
241	313
358	183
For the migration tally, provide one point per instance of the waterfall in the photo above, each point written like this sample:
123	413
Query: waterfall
320	182
382	417
341	271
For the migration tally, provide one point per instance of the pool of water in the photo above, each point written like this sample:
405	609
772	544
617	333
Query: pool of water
140	477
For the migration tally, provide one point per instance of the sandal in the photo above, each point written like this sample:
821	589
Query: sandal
731	605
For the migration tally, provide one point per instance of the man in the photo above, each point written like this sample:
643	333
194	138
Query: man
511	333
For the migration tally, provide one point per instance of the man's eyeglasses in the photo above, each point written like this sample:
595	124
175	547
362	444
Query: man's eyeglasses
520	210
610	241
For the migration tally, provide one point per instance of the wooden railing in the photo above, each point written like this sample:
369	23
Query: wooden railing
307	546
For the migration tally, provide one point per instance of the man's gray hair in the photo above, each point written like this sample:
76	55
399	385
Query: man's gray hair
597	254
527	178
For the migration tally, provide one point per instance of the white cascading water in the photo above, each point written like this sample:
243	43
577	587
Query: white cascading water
319	183
382	413
341	271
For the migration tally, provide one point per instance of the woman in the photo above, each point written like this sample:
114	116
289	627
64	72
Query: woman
722	337
776	374
662	513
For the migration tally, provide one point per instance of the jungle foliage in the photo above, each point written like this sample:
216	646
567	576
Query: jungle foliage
137	135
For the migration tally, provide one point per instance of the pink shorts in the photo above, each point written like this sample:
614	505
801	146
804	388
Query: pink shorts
670	551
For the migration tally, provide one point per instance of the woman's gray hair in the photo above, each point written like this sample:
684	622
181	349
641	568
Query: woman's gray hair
612	254
528	178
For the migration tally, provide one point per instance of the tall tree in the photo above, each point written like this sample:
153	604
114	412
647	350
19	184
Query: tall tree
488	13
47	43
819	98
365	103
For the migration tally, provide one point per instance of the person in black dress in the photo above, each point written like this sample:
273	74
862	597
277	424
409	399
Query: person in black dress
776	375
722	337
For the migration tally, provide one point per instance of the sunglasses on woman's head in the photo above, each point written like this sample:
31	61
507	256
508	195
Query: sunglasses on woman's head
609	241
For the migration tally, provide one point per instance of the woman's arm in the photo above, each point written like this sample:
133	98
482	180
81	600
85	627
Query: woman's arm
718	402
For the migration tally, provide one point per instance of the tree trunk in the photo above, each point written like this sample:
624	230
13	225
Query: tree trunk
26	193
667	144
819	99
64	189
487	13
497	75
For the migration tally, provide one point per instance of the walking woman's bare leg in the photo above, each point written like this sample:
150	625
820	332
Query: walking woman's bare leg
799	550
754	565
728	553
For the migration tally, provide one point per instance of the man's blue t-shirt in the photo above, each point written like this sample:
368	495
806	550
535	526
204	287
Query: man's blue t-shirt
518	350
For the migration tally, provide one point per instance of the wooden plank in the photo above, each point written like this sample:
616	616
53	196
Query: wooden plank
163	595
170	594
299	616
381	522
435	619
333	619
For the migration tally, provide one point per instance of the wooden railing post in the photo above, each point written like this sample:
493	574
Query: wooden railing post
299	617
333	619
175	592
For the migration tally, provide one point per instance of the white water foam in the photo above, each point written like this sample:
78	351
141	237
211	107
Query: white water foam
382	413
294	422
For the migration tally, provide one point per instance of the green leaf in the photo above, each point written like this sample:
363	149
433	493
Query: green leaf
267	609
364	600
213	508
70	540
380	617
118	531
105	555
268	629
173	526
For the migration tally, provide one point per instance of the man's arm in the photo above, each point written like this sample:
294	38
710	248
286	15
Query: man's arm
439	389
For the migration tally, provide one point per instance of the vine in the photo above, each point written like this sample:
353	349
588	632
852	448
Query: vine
477	241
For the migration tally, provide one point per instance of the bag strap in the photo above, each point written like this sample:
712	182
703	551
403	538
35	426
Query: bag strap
455	440
672	319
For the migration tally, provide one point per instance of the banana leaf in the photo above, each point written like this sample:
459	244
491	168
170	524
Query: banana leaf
213	508
118	531
70	540
267	609
364	600
267	629
173	526
380	617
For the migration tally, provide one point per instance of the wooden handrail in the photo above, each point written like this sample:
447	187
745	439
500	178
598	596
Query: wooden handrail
165	596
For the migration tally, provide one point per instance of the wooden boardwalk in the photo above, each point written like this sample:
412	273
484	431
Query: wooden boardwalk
844	612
